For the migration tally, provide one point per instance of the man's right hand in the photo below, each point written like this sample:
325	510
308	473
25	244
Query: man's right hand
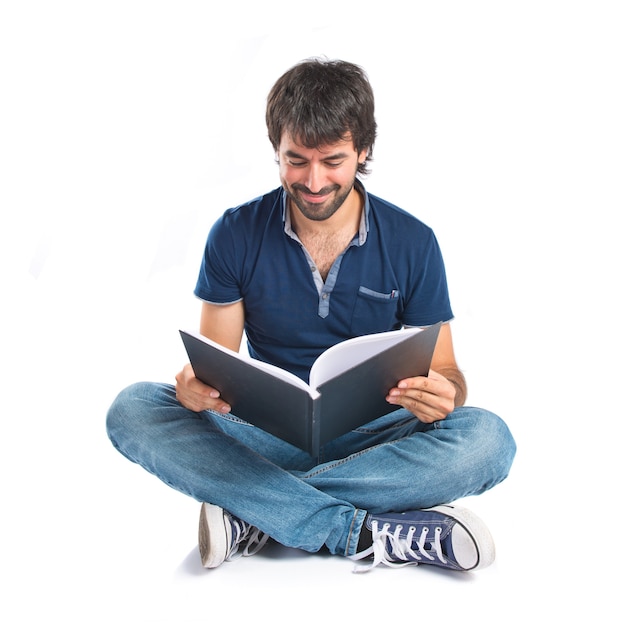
194	395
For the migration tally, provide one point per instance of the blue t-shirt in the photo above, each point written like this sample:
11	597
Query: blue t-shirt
391	275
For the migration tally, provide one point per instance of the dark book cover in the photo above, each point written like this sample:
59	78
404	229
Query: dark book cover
283	405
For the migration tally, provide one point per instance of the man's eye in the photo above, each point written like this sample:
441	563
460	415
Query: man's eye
297	163
333	163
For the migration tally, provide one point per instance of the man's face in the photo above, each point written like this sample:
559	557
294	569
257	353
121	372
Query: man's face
318	180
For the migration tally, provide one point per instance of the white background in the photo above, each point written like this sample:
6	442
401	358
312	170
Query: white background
127	127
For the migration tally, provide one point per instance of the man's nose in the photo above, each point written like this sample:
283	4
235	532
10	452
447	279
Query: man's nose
314	179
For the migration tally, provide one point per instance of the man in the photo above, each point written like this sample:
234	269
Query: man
314	262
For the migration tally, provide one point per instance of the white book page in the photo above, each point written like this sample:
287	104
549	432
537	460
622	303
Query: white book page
345	355
279	373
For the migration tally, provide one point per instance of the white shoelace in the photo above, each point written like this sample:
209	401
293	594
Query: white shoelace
253	537
401	549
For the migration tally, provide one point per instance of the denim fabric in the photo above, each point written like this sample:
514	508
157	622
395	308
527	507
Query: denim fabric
396	463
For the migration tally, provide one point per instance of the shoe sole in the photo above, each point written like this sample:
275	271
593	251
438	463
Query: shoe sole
213	540
478	537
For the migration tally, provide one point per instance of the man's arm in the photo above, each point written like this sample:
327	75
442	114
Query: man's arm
431	398
224	325
444	362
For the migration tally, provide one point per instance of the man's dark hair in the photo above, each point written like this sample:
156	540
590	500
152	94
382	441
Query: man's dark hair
319	102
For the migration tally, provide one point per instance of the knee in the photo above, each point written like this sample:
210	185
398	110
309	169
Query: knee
133	406
120	410
502	443
493	438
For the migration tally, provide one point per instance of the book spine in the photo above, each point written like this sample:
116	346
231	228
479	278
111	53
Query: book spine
316	407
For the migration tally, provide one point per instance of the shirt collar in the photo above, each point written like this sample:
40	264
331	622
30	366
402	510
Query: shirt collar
364	226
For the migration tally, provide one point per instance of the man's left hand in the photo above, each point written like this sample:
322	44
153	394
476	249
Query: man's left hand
430	398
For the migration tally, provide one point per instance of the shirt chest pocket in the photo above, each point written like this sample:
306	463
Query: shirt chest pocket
376	311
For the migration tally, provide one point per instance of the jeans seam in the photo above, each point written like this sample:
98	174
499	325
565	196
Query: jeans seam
339	462
350	531
376	431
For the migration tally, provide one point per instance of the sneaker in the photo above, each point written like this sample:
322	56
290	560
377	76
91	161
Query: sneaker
446	536
223	537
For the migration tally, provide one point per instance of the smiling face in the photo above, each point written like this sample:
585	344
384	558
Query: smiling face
318	180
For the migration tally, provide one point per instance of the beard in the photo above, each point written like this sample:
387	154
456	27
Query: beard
318	211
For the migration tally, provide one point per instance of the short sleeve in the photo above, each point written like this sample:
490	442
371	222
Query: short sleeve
219	275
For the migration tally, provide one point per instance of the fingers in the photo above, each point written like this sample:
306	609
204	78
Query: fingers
429	398
194	395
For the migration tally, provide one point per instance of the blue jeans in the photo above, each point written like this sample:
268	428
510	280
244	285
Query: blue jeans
395	463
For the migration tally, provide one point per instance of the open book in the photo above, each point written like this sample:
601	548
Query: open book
348	383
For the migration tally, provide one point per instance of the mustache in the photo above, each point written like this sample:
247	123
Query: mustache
322	192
